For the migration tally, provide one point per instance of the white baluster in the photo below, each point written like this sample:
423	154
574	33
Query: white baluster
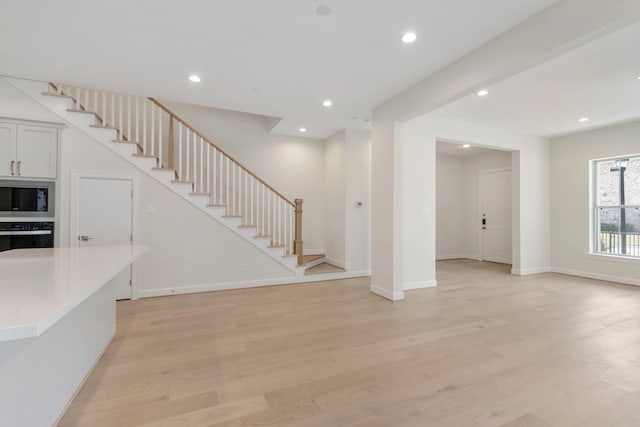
152	142
160	150
120	113
113	109
202	165
180	132
144	127
137	114
188	155
209	176
104	111
129	119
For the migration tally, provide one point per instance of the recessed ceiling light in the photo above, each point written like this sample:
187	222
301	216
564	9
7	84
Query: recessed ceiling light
583	119
409	37
193	78
323	10
466	146
303	130
327	103
483	92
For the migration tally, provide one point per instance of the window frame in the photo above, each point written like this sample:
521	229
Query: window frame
594	217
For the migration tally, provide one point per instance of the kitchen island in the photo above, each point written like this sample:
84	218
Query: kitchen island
57	316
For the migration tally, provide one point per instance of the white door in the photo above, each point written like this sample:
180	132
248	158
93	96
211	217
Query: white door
37	151
105	219
495	205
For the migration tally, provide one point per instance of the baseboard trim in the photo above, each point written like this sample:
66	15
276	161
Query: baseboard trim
227	286
597	276
450	257
195	289
412	286
530	271
391	296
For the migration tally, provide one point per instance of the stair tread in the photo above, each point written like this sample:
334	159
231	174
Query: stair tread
103	127
231	216
262	236
75	110
216	205
122	141
248	226
200	194
151	156
58	95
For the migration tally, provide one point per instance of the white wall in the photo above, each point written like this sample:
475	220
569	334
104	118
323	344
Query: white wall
188	248
293	166
458	202
570	201
472	168
348	181
335	224
531	251
451	221
554	31
358	189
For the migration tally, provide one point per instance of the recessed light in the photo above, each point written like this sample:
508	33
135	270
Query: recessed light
583	119
327	103
323	10
193	78
303	130
483	92
409	37
466	146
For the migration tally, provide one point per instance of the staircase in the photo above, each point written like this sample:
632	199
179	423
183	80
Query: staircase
145	133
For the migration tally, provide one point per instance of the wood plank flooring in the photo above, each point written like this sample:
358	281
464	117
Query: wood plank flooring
483	349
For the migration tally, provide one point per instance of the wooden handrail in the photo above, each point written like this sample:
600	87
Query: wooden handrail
204	138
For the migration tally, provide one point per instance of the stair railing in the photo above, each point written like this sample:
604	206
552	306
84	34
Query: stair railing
161	134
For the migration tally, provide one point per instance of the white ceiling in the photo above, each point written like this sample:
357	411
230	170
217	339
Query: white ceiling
277	58
599	80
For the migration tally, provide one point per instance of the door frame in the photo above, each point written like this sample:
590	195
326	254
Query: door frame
481	176
74	225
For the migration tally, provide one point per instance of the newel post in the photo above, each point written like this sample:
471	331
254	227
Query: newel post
297	243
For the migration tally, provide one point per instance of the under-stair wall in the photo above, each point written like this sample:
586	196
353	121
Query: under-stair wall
293	165
189	251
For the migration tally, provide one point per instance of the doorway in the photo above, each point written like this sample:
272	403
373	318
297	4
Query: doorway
496	223
103	215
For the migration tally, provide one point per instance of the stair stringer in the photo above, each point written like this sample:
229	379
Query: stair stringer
60	105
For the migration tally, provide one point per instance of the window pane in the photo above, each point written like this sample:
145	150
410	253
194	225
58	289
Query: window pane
608	184
632	182
616	238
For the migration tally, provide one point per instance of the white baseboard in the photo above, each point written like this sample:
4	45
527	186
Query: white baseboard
392	296
336	262
194	289
597	276
412	286
530	271
449	257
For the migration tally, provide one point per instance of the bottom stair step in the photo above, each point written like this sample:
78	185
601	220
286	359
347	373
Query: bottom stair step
323	268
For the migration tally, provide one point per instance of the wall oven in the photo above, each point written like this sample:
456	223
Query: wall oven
27	198
21	235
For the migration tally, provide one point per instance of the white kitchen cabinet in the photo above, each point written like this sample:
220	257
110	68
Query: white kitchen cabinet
28	149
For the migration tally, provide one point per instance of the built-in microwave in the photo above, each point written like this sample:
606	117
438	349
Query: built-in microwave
27	198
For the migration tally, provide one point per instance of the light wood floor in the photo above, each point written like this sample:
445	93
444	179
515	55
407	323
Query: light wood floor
483	349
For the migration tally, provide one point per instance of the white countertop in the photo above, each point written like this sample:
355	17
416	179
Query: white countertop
40	286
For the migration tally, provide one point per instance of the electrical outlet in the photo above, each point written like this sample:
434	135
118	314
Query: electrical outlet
150	208
243	267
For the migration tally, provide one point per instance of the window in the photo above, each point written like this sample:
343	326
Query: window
616	218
